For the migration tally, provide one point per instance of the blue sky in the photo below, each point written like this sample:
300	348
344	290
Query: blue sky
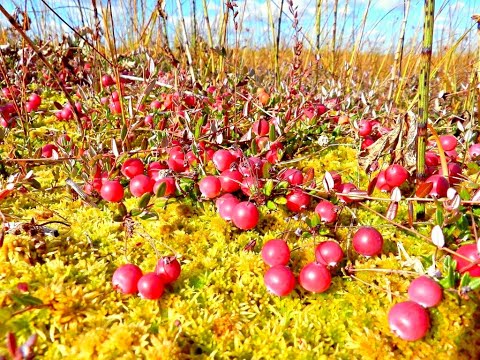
381	32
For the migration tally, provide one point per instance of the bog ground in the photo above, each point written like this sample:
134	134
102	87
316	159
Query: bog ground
176	194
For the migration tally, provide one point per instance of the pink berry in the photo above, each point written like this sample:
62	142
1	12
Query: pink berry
230	180
140	185
315	277
225	205
364	128
223	159
150	286
132	167
367	241
396	175
469	251
440	186
298	200
210	186
329	253
126	277
169	269
326	211
409	320
449	142
112	191
425	291
276	252
279	280
245	215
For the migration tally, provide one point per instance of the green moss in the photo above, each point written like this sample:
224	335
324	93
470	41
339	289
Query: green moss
219	307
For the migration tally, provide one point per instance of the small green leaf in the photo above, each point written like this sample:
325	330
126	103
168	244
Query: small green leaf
35	184
198	128
161	189
439	216
280	200
144	200
474	283
148	215
266	170
254	147
123	132
136	212
282	185
465	280
117	218
5	314
26	300
315	220
122	209
271	205
267	189
272	136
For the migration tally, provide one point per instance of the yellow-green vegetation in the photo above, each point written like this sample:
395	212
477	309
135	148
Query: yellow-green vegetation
219	307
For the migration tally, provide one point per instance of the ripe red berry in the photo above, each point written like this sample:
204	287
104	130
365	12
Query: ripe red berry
210	186
107	80
381	183
425	291
364	128
176	161
298	200
449	142
154	170
47	150
150	286
230	180
141	184
440	186
225	205
126	277
279	280
35	101
261	127
368	241
276	252
132	167
315	277
223	159
245	215
292	176
169	186
112	191
409	320
326	211
396	175
469	251
474	151
345	189
328	253
169	269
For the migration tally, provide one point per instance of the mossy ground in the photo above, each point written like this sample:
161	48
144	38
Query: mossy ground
219	307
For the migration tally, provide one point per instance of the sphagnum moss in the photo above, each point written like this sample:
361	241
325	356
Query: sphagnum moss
219	305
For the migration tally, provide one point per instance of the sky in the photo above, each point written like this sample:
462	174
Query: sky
453	18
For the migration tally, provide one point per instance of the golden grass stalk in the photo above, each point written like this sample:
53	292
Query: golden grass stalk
424	87
397	61
209	34
277	43
186	44
476	18
356	47
334	37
